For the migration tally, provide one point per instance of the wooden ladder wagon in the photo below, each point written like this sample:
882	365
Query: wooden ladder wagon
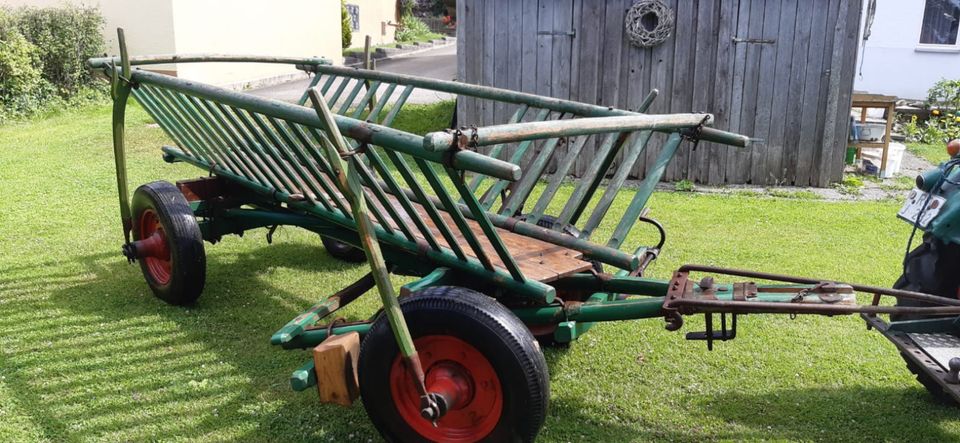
503	256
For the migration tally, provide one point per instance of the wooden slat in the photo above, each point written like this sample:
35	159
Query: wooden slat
833	18
703	75
774	148
544	46
736	158
809	139
841	88
796	91
723	87
587	54
661	78
487	57
765	93
681	94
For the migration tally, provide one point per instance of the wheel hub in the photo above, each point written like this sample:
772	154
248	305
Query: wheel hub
152	247
465	393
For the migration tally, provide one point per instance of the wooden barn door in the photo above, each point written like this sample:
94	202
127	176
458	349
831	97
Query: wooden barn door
777	70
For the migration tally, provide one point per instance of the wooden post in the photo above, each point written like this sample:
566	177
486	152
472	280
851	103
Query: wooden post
335	363
891	114
367	64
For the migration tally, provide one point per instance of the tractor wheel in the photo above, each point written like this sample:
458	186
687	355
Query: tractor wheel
343	251
931	269
482	361
167	242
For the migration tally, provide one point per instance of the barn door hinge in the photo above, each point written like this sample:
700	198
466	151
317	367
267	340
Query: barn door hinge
761	41
570	33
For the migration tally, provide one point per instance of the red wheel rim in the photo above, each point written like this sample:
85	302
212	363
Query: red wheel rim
153	248
457	369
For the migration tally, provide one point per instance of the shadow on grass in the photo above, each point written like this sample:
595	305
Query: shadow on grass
93	355
832	414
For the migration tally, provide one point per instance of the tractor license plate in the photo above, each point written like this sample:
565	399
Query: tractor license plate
914	207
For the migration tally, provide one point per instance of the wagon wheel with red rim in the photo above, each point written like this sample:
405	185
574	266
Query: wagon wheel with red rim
481	365
167	243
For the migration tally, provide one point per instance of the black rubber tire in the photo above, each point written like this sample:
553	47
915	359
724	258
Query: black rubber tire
931	268
479	321
343	251
188	259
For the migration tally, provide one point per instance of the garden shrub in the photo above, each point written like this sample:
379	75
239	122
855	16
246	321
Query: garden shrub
20	79
346	27
43	52
66	37
943	101
413	29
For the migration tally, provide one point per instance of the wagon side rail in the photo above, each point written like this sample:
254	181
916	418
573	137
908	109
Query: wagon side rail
609	155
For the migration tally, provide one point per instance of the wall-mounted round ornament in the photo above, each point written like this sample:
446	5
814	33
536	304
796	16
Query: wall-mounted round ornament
649	23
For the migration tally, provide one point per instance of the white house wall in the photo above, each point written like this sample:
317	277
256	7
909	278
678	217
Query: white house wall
279	28
373	15
892	62
148	25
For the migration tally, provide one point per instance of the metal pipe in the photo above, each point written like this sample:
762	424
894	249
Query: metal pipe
553	185
494	191
592	312
616	182
162	59
505	95
492	135
801	308
453	210
359	130
401	197
595	172
644	191
812	281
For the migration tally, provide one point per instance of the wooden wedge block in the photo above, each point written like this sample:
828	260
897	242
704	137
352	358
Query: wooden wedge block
335	360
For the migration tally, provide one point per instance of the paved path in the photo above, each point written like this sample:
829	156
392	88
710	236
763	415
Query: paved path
439	63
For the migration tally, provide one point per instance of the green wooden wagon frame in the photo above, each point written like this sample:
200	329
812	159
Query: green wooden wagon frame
452	356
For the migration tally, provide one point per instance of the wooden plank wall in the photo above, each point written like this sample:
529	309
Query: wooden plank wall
793	93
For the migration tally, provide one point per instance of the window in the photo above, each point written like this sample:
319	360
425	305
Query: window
940	20
354	12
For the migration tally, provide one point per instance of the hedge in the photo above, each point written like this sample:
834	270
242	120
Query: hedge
42	55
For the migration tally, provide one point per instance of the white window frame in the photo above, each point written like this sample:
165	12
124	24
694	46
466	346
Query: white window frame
931	47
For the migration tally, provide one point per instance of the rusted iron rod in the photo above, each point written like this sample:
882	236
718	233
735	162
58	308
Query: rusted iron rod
741	307
492	135
805	280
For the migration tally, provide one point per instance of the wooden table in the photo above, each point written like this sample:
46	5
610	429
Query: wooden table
866	101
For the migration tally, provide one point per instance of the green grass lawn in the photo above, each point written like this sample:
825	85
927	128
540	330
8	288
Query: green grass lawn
933	153
88	354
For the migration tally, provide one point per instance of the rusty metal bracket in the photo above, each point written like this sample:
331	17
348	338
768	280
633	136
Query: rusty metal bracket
761	41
